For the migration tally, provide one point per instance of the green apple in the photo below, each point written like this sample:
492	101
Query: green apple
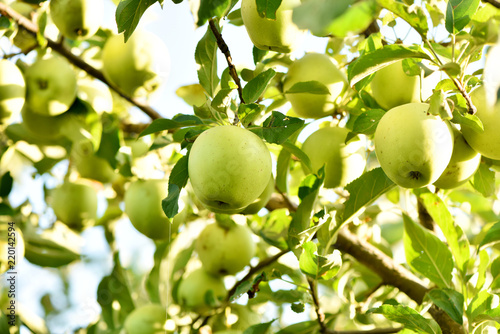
412	146
96	93
51	86
89	165
77	19
391	86
194	288
225	250
314	67
11	246
12	90
487	142
75	204
261	201
147	319
137	67
280	35
45	128
343	163
463	164
229	168
143	207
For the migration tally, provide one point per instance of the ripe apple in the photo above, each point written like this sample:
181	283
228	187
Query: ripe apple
391	86
76	19
75	204
486	142
147	319
137	67
96	93
463	164
12	90
193	288
412	146
51	86
280	35
261	201
344	163
314	67
225	250
11	247
143	207
229	168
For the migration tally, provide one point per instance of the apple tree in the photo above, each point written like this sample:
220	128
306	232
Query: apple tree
352	190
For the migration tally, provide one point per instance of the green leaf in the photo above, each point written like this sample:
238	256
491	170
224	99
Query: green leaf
311	87
484	180
205	56
318	15
414	16
317	266
254	89
278	127
222	100
304	327
259	328
459	13
491	237
110	140
274	229
129	13
467	119
450	301
370	62
6	184
297	152
212	8
427	254
268	8
410	318
163	124
482	302
177	180
367	122
355	19
283	165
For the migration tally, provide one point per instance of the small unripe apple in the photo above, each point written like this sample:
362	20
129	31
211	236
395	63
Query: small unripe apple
143	207
76	19
412	146
280	35
314	67
391	86
225	250
147	319
194	287
229	168
343	163
12	90
486	142
261	201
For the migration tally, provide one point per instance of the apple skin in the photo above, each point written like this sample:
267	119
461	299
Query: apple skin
137	67
77	19
344	163
229	168
143	207
225	251
75	204
51	86
12	90
391	86
412	146
147	319
463	164
280	35
314	67
261	201
193	287
487	143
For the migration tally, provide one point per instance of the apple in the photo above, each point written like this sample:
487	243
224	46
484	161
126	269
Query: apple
147	319
229	168
314	67
343	163
51	86
487	142
195	286
137	67
12	90
44	128
96	93
261	201
225	250
76	19
11	246
89	165
75	203
391	86
280	35
143	207
412	146
463	164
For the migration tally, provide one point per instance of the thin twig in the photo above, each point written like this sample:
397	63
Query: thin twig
320	316
495	3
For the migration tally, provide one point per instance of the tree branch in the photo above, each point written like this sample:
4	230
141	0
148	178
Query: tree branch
495	3
319	314
32	28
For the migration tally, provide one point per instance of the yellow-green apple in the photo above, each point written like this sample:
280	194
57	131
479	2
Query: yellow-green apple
51	86
75	203
280	35
391	86
89	165
225	250
195	286
137	67
96	93
413	147
143	207
463	164
229	168
343	163
314	67
261	201
12	90
11	246
487	142
147	319
76	19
